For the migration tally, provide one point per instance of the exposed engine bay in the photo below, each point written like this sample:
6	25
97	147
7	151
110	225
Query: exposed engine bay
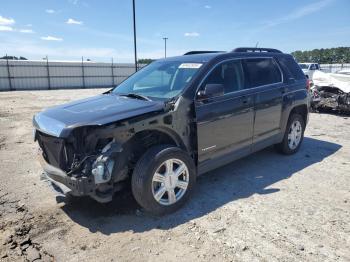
329	98
330	92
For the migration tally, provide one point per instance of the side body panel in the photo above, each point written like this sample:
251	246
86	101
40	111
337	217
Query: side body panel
268	112
224	125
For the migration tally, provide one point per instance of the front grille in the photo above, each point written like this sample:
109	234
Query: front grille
53	150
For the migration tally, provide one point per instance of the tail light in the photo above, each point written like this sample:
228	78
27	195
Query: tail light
308	84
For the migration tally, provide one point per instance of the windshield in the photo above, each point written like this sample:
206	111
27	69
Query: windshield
162	80
304	66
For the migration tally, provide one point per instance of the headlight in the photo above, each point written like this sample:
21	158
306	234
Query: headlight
102	171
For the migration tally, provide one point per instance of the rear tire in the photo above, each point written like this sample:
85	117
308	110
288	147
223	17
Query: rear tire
293	136
163	179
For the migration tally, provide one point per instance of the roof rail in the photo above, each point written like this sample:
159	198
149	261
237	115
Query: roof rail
256	49
201	52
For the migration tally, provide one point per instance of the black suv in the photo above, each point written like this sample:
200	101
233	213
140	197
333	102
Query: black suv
171	121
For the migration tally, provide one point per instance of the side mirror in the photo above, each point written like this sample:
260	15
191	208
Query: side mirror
211	90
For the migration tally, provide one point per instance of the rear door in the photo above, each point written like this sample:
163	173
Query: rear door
265	77
224	123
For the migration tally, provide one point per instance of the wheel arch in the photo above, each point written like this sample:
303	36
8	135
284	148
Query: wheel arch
145	139
301	110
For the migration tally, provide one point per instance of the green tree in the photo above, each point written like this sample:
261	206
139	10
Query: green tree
145	61
324	55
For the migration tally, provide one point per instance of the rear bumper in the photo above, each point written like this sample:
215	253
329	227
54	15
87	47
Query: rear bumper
81	186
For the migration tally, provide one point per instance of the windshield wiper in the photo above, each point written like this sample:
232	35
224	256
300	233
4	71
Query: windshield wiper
137	96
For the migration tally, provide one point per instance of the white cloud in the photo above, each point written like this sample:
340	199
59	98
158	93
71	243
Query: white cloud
50	11
51	38
299	13
6	21
207	6
191	34
26	31
79	2
36	49
5	28
74	2
72	21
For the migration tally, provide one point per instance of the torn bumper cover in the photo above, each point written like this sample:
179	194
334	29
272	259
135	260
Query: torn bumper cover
77	186
94	180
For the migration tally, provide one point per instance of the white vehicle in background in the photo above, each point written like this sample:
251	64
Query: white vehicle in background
331	91
309	69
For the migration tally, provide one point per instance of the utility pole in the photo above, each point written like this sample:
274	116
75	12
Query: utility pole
165	38
134	20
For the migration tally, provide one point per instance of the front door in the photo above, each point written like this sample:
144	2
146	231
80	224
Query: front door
224	122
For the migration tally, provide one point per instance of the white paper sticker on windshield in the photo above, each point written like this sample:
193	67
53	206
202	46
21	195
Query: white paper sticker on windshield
190	65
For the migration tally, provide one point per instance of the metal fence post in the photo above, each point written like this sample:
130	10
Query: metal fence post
8	72
112	73
48	72
82	70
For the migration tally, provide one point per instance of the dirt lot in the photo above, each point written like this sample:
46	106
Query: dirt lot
266	207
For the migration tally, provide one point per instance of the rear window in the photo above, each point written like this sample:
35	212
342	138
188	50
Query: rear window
289	64
261	71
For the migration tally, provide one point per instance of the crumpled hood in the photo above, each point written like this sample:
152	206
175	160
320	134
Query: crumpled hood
98	110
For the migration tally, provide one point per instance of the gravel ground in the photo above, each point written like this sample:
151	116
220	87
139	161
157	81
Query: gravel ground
266	207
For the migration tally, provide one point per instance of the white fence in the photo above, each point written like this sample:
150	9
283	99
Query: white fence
332	68
44	75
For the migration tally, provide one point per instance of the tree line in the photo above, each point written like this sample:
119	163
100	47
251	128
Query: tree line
338	55
10	57
145	61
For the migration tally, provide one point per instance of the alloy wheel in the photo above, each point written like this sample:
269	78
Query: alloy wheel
294	134
170	182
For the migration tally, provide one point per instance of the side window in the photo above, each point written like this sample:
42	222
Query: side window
261	71
229	74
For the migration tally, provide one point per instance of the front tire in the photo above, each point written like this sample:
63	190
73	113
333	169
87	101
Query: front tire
293	136
163	179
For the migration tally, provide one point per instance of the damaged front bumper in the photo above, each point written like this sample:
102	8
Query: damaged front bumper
76	186
81	185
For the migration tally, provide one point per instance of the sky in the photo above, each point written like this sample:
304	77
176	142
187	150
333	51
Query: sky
102	29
